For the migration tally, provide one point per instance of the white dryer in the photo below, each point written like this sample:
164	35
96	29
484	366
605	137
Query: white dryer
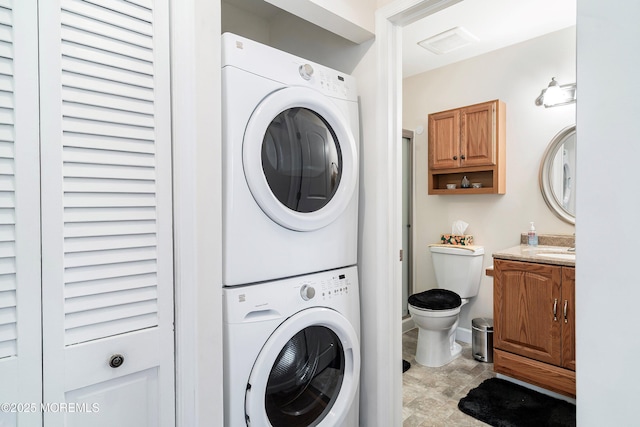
290	164
292	351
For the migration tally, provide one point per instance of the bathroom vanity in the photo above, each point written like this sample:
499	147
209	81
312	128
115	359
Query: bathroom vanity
534	316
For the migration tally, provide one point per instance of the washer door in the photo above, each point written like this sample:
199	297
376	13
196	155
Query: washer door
306	374
300	158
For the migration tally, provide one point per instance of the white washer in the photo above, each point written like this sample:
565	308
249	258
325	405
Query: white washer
292	351
290	164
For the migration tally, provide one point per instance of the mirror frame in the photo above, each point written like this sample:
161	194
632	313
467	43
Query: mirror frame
544	175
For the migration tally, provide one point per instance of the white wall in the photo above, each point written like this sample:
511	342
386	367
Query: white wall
516	75
607	281
294	35
352	20
372	333
246	24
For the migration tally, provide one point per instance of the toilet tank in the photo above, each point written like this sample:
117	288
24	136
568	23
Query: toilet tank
458	268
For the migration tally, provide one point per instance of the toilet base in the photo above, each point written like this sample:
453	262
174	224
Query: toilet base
437	348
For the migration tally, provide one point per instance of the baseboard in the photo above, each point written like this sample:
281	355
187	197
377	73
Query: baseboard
407	324
463	335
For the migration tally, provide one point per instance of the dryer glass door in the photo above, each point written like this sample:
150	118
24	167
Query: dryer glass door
307	372
300	159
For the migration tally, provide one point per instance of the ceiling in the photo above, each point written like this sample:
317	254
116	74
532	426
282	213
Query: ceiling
495	23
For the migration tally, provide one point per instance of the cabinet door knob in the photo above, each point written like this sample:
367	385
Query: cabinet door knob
555	310
116	360
566	303
463	157
455	157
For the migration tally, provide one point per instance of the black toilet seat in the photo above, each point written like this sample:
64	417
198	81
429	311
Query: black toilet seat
436	299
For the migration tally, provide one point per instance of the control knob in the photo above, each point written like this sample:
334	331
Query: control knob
307	292
306	71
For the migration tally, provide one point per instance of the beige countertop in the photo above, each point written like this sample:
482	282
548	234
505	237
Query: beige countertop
541	254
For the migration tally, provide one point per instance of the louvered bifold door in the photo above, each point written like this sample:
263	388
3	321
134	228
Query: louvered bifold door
20	331
106	212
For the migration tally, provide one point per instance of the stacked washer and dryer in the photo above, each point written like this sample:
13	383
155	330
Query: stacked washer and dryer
290	215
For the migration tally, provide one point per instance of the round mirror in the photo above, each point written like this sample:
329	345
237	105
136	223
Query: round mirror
558	175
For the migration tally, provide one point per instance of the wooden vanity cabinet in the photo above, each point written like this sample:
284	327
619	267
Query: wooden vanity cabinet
468	141
534	324
569	319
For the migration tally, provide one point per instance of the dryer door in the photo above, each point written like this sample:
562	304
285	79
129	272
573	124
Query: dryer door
300	158
307	373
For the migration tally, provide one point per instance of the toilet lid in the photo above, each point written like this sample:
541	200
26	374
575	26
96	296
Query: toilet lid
436	299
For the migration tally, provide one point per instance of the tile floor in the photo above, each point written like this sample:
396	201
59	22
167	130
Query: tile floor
430	395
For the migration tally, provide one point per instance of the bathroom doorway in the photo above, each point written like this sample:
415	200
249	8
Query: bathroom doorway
407	223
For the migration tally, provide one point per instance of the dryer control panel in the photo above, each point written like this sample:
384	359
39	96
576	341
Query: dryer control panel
266	61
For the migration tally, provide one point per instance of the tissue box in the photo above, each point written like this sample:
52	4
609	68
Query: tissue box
457	239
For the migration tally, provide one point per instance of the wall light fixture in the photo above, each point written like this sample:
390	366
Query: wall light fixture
556	94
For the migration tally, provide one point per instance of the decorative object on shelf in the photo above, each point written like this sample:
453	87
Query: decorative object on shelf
465	182
556	94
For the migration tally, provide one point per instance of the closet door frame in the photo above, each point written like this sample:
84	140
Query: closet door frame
21	372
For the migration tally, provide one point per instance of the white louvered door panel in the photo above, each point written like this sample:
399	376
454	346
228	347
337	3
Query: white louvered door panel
107	234
20	329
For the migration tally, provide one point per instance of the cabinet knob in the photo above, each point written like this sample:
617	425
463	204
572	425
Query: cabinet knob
463	157
116	360
455	157
555	310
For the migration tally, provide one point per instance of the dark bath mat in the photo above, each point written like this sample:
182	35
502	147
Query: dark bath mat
405	366
502	403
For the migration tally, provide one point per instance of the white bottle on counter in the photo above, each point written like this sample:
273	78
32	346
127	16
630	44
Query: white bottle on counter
532	236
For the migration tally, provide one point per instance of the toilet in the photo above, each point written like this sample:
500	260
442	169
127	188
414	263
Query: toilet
435	312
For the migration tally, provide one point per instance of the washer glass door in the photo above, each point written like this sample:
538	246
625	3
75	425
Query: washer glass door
300	159
307	372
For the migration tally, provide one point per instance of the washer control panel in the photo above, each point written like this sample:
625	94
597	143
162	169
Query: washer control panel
326	286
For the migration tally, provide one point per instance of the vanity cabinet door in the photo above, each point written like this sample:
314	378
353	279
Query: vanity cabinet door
444	139
528	310
568	318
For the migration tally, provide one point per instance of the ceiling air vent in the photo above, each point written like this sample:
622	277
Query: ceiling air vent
448	41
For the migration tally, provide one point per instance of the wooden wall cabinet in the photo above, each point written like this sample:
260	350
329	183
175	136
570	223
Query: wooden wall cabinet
468	141
534	324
